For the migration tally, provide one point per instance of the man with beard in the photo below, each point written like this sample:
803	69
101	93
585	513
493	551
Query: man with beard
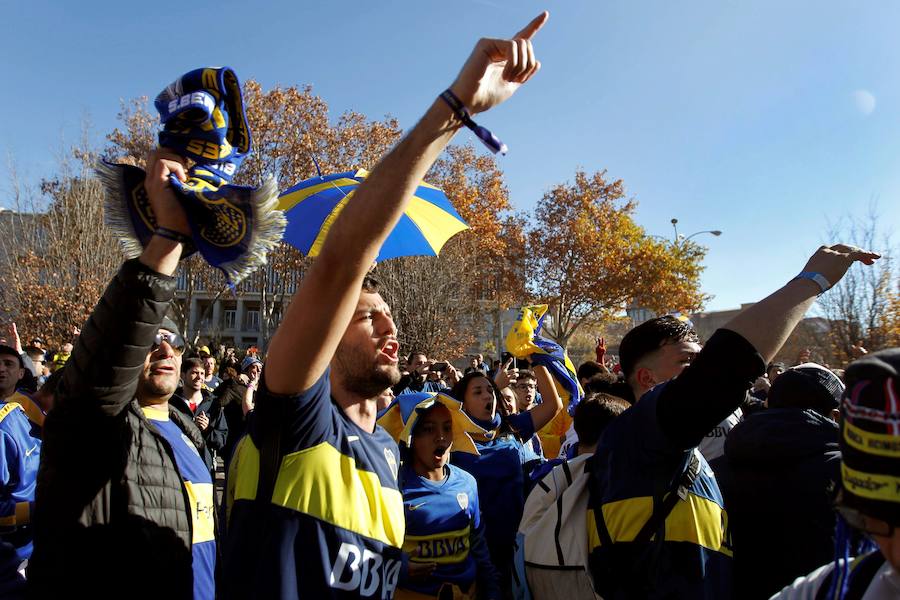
316	507
121	486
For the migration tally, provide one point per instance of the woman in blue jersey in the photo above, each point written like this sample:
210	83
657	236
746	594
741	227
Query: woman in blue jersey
444	552
502	461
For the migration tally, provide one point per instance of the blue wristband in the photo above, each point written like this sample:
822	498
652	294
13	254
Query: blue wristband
484	134
818	278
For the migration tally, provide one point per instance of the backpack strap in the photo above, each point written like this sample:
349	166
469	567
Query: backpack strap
862	571
269	415
662	508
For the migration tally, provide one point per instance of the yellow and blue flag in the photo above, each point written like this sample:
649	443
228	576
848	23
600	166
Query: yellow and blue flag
524	341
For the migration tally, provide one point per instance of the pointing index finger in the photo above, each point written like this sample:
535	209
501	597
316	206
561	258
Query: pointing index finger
533	27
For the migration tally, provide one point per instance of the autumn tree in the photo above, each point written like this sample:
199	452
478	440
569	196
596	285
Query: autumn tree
440	303
588	258
56	256
863	306
437	302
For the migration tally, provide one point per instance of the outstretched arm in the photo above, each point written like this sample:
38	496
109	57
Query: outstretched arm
110	351
717	382
320	310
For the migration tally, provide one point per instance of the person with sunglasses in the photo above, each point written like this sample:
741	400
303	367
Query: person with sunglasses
124	503
867	536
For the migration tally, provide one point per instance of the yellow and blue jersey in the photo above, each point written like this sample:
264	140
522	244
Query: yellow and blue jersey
635	462
442	517
20	451
32	410
198	485
499	469
334	527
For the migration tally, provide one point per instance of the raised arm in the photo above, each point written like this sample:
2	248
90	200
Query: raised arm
544	412
716	383
109	354
320	310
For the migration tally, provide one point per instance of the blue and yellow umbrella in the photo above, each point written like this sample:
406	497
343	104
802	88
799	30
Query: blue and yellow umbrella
401	416
312	206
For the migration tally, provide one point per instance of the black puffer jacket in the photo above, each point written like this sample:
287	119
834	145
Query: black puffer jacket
112	516
777	477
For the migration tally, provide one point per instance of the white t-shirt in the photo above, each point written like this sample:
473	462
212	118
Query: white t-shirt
885	585
713	445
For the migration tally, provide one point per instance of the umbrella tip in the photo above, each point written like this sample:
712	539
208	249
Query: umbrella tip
315	162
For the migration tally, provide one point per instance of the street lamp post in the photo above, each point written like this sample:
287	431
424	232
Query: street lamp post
678	238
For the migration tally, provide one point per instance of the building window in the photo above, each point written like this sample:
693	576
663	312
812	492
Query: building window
253	320
230	319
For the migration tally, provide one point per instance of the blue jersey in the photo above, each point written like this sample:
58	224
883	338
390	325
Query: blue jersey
441	518
20	451
638	463
500	472
199	487
334	526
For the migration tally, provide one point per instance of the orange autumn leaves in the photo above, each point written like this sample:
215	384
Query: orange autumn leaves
581	250
588	259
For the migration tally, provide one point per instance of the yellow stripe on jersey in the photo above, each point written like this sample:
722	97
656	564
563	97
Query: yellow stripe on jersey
448	547
202	511
34	412
8	407
327	485
696	520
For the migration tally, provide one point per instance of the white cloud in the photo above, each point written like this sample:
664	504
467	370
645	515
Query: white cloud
864	102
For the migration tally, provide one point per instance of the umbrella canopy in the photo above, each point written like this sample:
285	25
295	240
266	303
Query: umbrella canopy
401	415
312	206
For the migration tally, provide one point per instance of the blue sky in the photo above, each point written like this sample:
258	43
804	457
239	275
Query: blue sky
765	119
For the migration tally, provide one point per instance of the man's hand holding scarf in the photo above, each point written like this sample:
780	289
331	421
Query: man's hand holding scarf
161	165
232	226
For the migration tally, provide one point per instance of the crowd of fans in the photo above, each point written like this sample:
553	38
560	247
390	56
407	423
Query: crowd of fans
689	469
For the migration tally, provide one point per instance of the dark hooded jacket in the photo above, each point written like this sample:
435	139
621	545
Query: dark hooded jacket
112	515
778	477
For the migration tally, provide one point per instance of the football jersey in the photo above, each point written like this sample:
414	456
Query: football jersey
335	524
20	451
499	469
440	519
199	487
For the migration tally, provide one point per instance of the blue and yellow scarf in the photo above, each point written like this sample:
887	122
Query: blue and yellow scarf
233	227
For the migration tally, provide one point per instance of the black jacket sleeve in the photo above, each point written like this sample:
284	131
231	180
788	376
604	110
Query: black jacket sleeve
109	355
217	432
708	390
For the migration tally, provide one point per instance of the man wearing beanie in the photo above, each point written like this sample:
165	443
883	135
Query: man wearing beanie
124	503
777	476
870	499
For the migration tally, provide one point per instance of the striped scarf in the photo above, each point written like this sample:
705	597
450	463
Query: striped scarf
233	227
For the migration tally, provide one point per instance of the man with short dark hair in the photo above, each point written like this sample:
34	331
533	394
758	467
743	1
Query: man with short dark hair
122	484
20	449
418	378
317	508
657	526
198	404
210	379
525	388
